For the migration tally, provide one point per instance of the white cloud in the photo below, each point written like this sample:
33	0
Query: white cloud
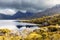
24	11
7	11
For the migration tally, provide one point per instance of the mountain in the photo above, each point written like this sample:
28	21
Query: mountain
49	11
32	15
17	15
3	16
21	15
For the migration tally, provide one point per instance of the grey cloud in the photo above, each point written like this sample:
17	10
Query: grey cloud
24	4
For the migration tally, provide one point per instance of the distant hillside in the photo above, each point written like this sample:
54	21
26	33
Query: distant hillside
32	15
3	16
18	15
47	20
49	11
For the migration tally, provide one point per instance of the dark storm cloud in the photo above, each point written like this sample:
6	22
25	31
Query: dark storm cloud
24	4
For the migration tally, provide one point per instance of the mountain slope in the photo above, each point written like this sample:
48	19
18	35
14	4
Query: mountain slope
49	11
17	15
47	20
30	15
20	15
3	16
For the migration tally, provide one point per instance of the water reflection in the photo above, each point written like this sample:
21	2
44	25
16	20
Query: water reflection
16	24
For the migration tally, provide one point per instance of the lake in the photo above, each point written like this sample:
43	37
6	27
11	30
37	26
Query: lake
23	30
11	24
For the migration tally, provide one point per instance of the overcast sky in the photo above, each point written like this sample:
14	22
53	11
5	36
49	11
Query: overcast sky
11	6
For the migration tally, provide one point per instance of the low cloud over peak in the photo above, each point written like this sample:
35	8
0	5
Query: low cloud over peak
27	4
7	11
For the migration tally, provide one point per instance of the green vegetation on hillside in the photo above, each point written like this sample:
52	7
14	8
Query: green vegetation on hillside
46	20
49	28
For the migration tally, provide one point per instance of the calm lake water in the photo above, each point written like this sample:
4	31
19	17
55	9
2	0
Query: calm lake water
11	24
